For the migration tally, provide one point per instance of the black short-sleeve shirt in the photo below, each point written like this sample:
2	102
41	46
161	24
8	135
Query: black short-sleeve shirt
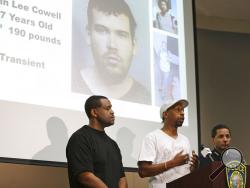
90	150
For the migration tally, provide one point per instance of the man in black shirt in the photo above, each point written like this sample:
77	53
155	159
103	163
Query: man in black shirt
94	159
221	138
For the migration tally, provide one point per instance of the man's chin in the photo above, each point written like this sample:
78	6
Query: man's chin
112	123
179	123
225	147
109	125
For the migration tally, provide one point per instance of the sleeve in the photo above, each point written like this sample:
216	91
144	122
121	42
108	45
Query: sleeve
148	149
79	155
122	173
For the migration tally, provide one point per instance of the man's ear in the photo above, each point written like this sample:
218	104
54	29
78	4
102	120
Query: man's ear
165	114
93	113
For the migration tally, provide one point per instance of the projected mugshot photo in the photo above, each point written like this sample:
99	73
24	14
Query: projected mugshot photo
166	68
164	15
110	49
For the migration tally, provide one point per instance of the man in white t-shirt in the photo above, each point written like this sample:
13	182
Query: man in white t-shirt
166	154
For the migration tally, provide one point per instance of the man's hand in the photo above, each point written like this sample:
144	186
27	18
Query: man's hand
194	162
180	159
123	183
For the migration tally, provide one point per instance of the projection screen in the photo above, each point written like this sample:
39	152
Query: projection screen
51	62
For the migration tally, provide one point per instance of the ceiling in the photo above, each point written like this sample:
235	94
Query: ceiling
223	15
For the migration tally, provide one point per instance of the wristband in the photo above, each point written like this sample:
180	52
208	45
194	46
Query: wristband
165	165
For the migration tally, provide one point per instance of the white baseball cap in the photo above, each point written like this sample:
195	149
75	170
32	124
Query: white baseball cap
169	104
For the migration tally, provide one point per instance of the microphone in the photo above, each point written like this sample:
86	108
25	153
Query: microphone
206	153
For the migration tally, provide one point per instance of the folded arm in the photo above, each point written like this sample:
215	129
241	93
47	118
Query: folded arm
90	180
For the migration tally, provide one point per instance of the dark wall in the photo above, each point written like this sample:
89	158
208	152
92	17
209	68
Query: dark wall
224	85
32	176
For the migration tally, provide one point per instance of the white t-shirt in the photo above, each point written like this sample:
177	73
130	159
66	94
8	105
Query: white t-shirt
158	147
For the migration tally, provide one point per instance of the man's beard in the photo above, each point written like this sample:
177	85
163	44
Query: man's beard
178	124
105	123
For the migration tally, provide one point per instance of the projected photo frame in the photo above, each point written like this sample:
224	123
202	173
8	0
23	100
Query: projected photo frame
118	67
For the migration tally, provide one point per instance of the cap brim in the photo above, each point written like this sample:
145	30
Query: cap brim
183	102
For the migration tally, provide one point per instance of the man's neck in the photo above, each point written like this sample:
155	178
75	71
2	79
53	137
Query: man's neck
218	150
171	131
95	125
97	84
